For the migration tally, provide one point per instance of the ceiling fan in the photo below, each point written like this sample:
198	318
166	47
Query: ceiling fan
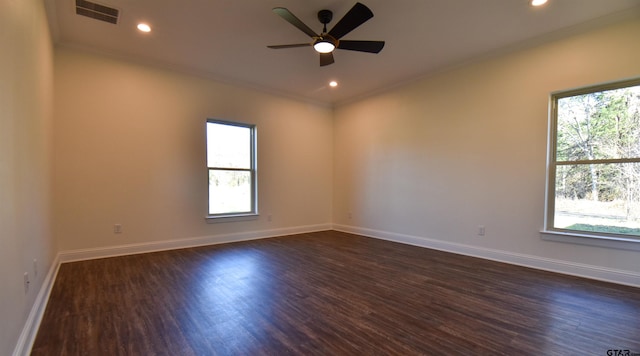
326	42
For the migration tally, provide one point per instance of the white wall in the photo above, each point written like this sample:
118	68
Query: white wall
130	149
26	76
436	158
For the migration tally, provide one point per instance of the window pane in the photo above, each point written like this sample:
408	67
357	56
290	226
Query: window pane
600	125
228	146
598	198
229	192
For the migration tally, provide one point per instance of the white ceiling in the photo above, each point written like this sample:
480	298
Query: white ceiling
226	39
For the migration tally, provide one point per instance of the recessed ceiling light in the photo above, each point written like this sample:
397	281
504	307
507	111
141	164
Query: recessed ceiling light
537	2
144	27
333	84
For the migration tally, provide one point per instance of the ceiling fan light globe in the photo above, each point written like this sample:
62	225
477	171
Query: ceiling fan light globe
324	46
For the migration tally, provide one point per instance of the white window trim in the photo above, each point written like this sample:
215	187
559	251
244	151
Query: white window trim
214	219
242	216
549	233
591	240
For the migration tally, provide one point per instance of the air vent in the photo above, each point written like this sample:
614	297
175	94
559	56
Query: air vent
97	11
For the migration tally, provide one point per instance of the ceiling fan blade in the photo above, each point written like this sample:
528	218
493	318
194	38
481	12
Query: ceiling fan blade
326	59
358	15
290	45
292	19
362	46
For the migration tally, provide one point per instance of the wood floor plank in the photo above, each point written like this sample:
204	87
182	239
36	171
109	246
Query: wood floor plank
329	293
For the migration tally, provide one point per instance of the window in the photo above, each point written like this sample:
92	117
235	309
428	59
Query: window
594	162
231	160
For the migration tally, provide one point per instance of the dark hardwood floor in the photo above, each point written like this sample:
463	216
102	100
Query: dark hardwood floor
329	293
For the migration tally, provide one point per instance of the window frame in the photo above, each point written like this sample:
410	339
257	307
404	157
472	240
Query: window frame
602	239
253	170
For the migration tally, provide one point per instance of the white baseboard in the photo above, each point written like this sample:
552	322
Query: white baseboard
629	278
30	329
131	249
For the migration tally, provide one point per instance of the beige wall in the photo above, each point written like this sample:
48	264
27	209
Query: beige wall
26	75
130	149
467	147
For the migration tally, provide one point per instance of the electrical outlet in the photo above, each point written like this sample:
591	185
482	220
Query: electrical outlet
481	230
26	282
117	229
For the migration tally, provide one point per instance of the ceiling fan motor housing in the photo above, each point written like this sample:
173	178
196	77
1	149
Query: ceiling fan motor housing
325	17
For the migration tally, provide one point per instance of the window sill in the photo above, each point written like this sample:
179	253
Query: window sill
591	240
214	219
